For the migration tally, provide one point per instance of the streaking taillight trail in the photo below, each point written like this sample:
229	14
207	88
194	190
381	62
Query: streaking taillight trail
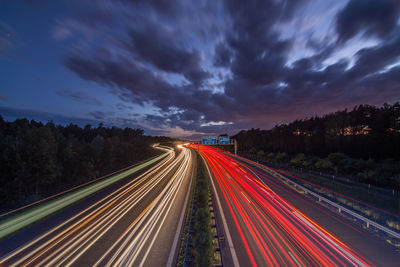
271	230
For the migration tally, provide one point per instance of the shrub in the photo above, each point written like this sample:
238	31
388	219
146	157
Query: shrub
260	154
252	151
271	156
202	238
337	160
309	162
298	160
203	249
280	157
367	176
323	164
393	224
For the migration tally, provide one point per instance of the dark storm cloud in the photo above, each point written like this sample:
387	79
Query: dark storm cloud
162	6
157	46
80	97
222	55
370	60
258	66
371	17
101	115
135	82
259	53
259	87
388	84
122	107
259	57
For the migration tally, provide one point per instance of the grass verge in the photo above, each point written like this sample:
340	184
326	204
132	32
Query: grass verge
199	224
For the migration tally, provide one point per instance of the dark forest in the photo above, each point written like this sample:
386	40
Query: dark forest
37	160
364	142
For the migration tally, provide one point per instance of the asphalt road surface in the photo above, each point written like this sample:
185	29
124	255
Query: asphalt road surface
135	224
266	223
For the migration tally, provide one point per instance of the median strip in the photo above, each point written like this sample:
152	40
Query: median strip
199	245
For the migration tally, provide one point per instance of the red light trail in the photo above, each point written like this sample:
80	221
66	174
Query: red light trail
272	231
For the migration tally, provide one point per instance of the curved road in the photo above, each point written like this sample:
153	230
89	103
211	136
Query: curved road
129	226
262	228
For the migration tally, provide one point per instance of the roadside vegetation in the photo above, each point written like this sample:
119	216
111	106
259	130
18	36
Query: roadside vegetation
362	144
338	173
355	153
199	225
384	174
330	190
38	160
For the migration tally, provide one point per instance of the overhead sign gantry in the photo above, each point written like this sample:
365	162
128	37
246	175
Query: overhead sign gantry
221	140
209	140
224	140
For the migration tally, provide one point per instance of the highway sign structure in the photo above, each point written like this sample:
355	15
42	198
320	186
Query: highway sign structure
224	140
210	140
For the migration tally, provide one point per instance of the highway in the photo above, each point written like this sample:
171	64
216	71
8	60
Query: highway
265	223
136	224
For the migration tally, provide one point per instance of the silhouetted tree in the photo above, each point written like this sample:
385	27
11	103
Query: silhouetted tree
37	160
364	132
342	142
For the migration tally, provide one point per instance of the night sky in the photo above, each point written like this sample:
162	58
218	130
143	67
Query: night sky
191	68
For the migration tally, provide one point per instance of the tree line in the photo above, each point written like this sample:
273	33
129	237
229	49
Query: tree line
363	142
38	160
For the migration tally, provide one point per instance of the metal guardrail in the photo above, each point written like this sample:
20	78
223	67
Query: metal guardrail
16	222
344	180
340	208
218	236
190	232
186	260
